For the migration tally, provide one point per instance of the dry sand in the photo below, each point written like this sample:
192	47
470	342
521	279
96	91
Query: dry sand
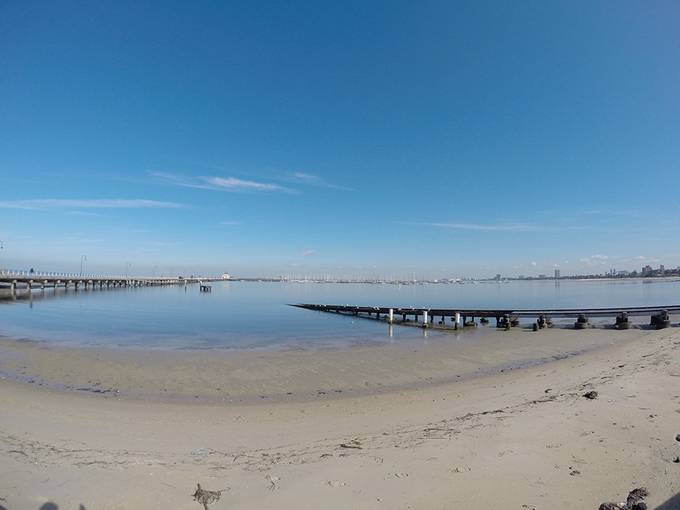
523	438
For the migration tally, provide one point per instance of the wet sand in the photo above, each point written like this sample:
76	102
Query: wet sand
224	376
521	438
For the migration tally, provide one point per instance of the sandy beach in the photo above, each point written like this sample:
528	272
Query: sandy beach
401	431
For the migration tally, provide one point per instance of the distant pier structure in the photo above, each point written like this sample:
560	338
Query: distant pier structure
26	280
505	318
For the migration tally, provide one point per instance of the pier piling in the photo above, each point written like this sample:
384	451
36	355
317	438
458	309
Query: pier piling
581	322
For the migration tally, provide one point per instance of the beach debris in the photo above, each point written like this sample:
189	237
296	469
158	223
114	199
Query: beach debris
354	443
591	395
273	482
676	460
200	452
574	472
677	438
634	501
335	483
205	497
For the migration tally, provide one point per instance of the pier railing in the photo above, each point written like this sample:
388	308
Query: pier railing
28	279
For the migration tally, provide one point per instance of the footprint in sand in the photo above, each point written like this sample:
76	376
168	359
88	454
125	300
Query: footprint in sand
273	482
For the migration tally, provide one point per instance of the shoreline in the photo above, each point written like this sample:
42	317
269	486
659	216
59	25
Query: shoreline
231	377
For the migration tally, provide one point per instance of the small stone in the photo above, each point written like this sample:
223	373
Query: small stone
591	395
677	438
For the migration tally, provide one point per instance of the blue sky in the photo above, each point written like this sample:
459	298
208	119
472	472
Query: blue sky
346	138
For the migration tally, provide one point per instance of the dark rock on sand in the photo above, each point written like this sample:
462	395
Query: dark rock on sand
591	395
635	501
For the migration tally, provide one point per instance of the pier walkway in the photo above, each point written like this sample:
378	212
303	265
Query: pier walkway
15	280
505	318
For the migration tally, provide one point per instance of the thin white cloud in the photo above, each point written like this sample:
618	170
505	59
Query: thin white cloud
506	227
308	253
84	213
230	222
216	183
315	180
58	203
597	259
234	184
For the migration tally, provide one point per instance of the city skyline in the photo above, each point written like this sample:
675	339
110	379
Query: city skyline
448	140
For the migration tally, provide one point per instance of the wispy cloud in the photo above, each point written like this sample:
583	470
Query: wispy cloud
315	180
88	214
234	184
58	203
594	260
308	253
646	259
503	227
230	222
216	183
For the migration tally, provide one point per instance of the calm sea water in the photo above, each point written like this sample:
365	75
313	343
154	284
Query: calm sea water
246	315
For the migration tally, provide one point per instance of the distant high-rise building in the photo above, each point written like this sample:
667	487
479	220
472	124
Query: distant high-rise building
498	277
557	274
662	268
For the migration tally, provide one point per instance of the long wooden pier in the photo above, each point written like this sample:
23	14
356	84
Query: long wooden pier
29	281
505	318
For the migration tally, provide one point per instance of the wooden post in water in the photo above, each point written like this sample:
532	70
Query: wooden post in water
457	320
390	316
425	318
